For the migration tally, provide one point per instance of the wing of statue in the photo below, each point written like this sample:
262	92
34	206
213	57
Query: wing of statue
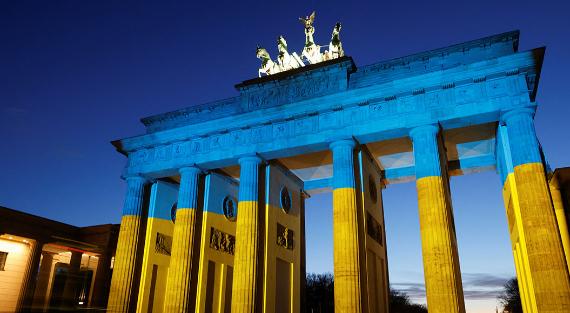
312	18
308	21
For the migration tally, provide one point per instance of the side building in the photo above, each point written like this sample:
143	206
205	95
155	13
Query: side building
46	265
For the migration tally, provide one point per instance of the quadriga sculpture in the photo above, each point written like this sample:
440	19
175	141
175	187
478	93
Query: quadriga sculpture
311	51
268	67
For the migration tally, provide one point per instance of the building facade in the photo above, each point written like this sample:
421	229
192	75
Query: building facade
213	219
46	265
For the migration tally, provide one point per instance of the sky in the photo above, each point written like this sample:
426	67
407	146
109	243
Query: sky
75	75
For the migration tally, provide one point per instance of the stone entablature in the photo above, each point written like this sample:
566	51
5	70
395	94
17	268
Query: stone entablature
436	60
192	115
280	115
374	74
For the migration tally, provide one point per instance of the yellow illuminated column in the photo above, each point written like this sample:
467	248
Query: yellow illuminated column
177	297
347	284
545	269
442	275
244	290
122	282
560	216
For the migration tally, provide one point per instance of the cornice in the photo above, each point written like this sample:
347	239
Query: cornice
483	72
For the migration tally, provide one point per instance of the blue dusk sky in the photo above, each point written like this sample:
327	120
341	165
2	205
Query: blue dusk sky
75	75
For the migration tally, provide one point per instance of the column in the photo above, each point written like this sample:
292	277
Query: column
29	282
347	291
101	284
42	284
442	275
247	238
177	296
72	281
123	280
542	254
558	204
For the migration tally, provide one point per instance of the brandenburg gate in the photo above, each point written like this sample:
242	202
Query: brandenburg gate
213	219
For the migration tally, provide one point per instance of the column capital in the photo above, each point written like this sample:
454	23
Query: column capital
523	144
426	151
48	253
250	159
136	179
188	191
343	163
134	197
506	116
248	177
192	170
342	143
423	129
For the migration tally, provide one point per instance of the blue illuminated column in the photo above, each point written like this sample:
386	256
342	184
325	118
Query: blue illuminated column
123	279
347	286
177	296
247	238
442	275
537	247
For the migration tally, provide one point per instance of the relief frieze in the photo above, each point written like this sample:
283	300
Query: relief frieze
163	244
260	134
284	237
281	130
293	90
305	125
374	229
440	104
221	241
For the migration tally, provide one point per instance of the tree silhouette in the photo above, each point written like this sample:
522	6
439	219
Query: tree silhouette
400	303
510	297
320	293
320	296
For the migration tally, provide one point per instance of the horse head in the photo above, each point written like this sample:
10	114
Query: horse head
335	38
336	32
262	54
281	45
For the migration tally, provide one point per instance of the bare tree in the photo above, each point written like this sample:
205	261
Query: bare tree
400	303
510	298
320	293
320	297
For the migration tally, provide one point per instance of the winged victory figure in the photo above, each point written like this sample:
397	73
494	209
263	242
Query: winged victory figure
311	52
308	20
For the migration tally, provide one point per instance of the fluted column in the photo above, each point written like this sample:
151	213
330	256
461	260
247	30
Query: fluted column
122	282
72	281
247	238
558	204
42	284
547	274
177	297
442	275
100	294
347	291
29	281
